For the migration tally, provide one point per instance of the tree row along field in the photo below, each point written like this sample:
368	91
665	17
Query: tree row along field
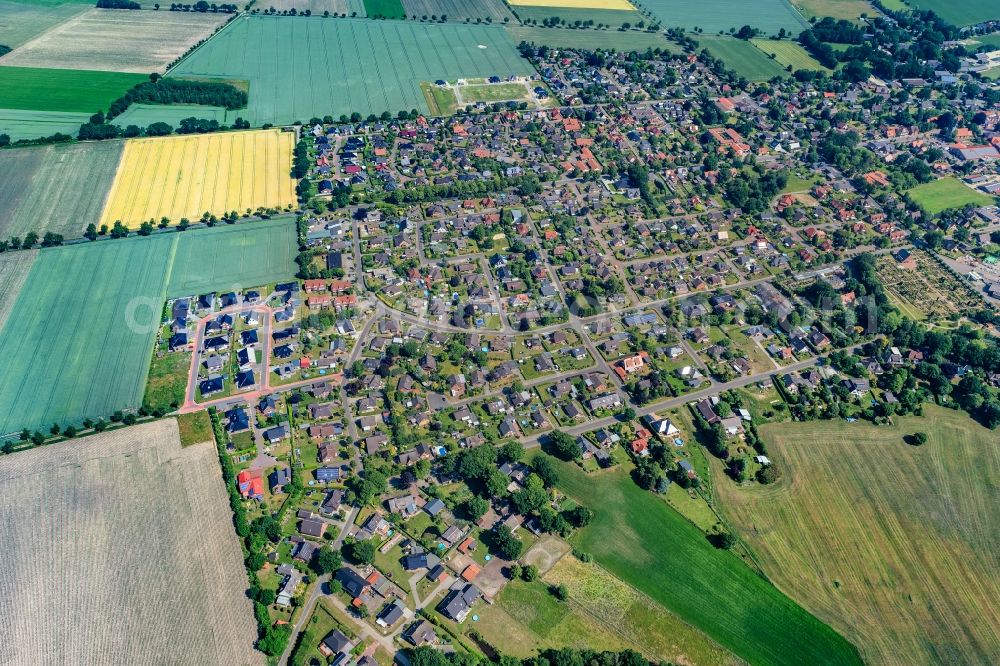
78	340
120	546
185	176
893	544
344	66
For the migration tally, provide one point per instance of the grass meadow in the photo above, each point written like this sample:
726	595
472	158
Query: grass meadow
57	188
967	12
945	193
849	10
894	545
787	52
186	176
134	580
80	336
337	61
648	545
64	90
743	57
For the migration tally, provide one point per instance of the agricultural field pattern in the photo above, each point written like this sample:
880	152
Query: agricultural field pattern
500	332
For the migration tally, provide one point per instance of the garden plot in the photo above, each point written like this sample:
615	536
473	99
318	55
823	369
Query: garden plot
345	66
927	291
119	549
117	41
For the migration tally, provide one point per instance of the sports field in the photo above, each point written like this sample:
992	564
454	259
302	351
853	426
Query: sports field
22	124
345	66
944	193
962	13
645	543
62	89
839	9
20	22
118	547
894	545
185	176
769	16
591	39
742	57
618	5
787	52
459	10
14	269
144	115
59	188
117	41
78	341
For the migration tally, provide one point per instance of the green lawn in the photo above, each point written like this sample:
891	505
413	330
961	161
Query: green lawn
637	537
390	9
946	193
743	58
441	101
62	89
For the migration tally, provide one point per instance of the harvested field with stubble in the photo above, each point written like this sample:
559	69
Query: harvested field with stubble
60	189
14	269
894	545
117	41
120	549
186	176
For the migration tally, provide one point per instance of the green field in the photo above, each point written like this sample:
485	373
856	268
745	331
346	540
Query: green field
441	101
20	124
895	545
20	22
788	53
144	115
390	9
234	257
967	12
945	193
743	58
612	40
769	16
62	89
348	65
642	541
612	18
59	188
992	40
838	9
80	336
